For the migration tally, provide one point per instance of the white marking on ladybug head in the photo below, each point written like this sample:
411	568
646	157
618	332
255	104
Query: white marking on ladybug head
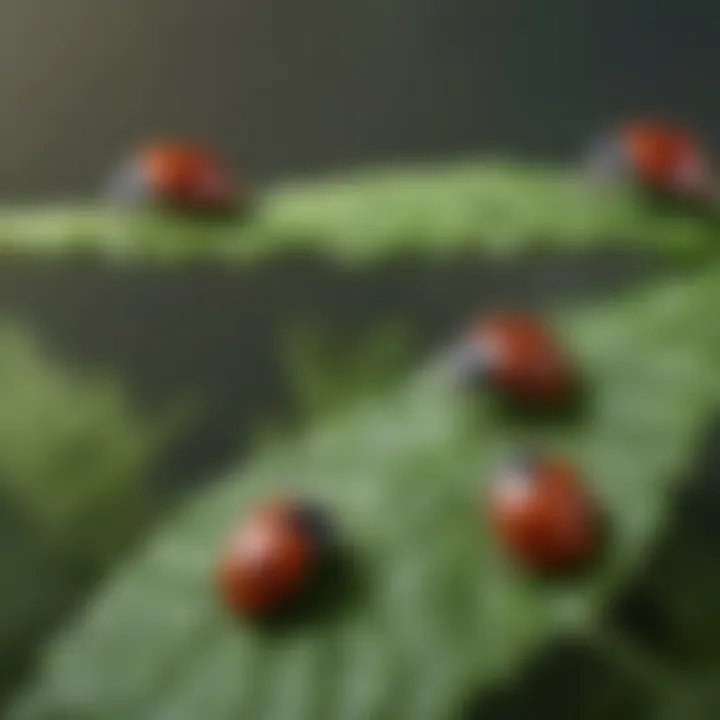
256	543
469	358
606	161
128	185
514	488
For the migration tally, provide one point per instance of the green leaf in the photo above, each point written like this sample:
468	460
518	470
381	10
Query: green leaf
500	208
569	680
442	613
75	458
324	377
73	448
695	700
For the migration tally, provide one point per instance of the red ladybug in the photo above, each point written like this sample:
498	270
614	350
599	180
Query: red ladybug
274	557
544	516
659	156
179	175
520	357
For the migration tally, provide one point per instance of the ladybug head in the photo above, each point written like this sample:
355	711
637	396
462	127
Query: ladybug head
472	361
521	462
607	162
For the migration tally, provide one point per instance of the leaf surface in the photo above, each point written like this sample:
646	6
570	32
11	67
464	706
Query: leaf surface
75	458
500	208
441	612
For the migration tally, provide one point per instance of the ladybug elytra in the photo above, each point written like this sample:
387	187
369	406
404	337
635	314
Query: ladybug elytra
179	175
520	357
274	557
543	515
658	156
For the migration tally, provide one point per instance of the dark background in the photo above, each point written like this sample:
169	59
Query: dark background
291	86
294	86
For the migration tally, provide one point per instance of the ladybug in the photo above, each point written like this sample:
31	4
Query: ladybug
275	557
658	156
179	175
518	356
543	515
